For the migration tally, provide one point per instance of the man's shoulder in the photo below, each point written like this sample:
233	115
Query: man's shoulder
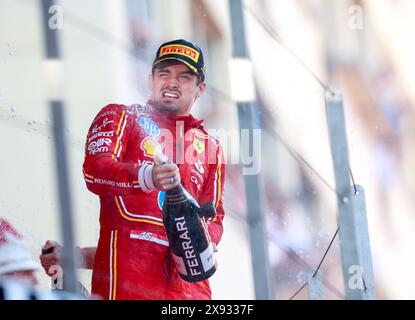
116	110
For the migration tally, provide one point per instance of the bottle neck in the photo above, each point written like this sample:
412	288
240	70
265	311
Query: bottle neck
175	195
179	195
175	191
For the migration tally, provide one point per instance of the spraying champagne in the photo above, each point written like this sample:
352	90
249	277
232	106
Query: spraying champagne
184	221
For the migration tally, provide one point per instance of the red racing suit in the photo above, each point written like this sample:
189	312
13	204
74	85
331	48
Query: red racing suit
133	258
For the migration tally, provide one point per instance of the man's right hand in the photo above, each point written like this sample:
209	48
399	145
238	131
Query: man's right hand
166	176
51	256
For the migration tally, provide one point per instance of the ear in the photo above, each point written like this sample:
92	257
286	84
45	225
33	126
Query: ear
201	87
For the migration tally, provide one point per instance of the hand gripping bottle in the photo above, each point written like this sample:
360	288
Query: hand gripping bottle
57	282
190	244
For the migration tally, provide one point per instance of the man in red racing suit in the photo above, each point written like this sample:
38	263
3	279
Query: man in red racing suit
132	260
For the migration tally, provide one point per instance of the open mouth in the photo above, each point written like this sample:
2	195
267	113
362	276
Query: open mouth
169	94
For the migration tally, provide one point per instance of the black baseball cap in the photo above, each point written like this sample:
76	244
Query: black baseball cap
184	51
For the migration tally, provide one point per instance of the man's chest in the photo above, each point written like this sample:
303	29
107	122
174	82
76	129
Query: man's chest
190	148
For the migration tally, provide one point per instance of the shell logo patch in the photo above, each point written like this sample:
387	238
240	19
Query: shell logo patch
150	147
198	145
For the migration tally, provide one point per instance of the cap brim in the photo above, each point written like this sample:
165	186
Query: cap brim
181	60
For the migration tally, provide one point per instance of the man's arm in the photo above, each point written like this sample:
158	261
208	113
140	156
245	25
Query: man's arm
105	172
213	192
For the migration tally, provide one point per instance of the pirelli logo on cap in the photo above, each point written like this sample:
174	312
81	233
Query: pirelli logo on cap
180	50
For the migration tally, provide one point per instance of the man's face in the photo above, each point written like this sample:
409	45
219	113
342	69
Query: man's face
174	89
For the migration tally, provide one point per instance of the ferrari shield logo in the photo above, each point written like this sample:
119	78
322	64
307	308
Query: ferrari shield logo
198	145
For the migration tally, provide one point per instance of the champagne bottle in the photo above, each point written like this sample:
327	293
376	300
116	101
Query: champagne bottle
190	244
57	283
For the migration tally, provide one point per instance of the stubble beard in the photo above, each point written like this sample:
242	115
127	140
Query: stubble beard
168	108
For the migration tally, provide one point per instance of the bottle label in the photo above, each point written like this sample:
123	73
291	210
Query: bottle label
186	247
208	258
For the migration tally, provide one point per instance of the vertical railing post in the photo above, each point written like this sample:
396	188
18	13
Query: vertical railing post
53	66
352	224
244	95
